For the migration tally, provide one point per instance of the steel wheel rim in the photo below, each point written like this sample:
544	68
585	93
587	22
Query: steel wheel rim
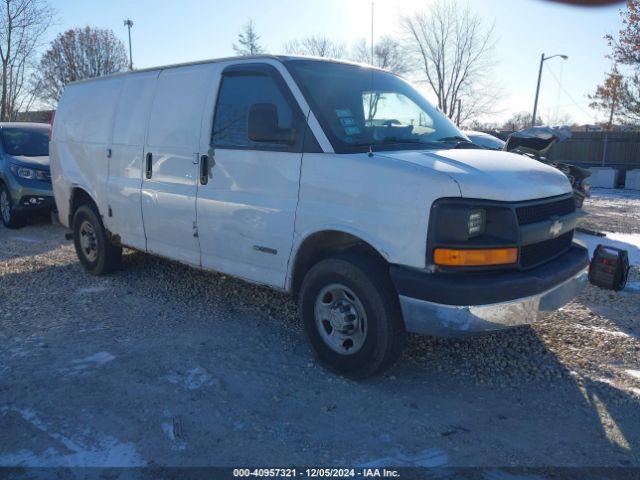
88	242
5	206
340	319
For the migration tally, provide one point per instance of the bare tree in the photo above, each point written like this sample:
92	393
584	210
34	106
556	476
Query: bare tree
316	46
453	48
22	24
248	40
387	53
520	120
75	55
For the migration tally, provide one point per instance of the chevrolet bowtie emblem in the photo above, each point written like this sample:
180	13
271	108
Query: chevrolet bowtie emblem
555	228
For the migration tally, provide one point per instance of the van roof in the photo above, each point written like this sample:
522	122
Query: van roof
280	58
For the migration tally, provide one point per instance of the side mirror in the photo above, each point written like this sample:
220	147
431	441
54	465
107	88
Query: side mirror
263	125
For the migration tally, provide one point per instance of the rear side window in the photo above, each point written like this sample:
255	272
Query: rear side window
238	92
27	142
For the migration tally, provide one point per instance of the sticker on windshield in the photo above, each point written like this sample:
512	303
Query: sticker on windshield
352	130
343	113
347	121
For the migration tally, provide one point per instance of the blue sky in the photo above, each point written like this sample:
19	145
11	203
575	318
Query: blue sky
167	32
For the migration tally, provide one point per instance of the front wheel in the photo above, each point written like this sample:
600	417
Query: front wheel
10	218
351	315
96	253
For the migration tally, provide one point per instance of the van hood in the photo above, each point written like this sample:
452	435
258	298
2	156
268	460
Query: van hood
491	175
41	161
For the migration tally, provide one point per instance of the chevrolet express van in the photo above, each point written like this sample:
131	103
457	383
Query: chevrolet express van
337	183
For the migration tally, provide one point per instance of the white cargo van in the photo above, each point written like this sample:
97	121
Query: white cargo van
334	182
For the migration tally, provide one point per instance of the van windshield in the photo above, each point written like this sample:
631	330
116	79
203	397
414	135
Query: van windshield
360	108
29	142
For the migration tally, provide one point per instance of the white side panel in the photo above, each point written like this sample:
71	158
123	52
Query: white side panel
169	197
126	163
384	202
249	204
80	139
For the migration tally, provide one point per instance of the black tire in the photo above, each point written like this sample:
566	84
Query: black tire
101	257
369	281
10	218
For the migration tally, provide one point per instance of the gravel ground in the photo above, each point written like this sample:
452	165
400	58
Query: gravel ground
613	211
161	364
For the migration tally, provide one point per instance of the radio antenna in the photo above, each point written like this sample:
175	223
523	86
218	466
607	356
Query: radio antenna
372	48
371	100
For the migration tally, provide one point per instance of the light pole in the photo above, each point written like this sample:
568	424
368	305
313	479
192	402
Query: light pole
129	23
535	103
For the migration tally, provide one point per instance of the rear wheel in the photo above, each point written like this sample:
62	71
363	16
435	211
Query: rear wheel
10	218
351	315
96	253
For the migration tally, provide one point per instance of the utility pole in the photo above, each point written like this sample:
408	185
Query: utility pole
535	103
129	23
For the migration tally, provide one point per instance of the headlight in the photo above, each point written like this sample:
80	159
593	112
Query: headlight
476	222
24	172
29	173
471	233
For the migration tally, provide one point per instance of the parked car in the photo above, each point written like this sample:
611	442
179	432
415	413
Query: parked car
337	183
485	140
25	179
536	142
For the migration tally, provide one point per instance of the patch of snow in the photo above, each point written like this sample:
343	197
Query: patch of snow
626	241
633	286
87	290
196	378
431	457
633	390
633	373
102	451
614	193
603	330
98	360
193	379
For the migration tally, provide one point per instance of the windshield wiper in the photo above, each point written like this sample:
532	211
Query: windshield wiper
460	142
454	138
387	140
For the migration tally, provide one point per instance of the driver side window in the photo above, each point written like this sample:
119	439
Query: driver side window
242	92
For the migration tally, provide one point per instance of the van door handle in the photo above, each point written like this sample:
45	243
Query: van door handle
149	165
204	169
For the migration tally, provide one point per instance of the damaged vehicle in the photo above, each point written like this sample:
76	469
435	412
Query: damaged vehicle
484	140
536	143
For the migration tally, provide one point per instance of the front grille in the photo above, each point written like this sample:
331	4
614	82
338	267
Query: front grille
537	253
543	211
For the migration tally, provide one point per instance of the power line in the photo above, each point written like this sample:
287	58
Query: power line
570	97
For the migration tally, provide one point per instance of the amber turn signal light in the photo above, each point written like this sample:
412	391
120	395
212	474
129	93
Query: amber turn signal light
475	258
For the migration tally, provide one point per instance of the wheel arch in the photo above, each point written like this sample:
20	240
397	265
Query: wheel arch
322	244
79	196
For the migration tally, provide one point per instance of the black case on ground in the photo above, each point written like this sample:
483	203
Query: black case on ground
609	268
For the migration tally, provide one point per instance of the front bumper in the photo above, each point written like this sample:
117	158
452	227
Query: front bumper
30	195
454	306
35	202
